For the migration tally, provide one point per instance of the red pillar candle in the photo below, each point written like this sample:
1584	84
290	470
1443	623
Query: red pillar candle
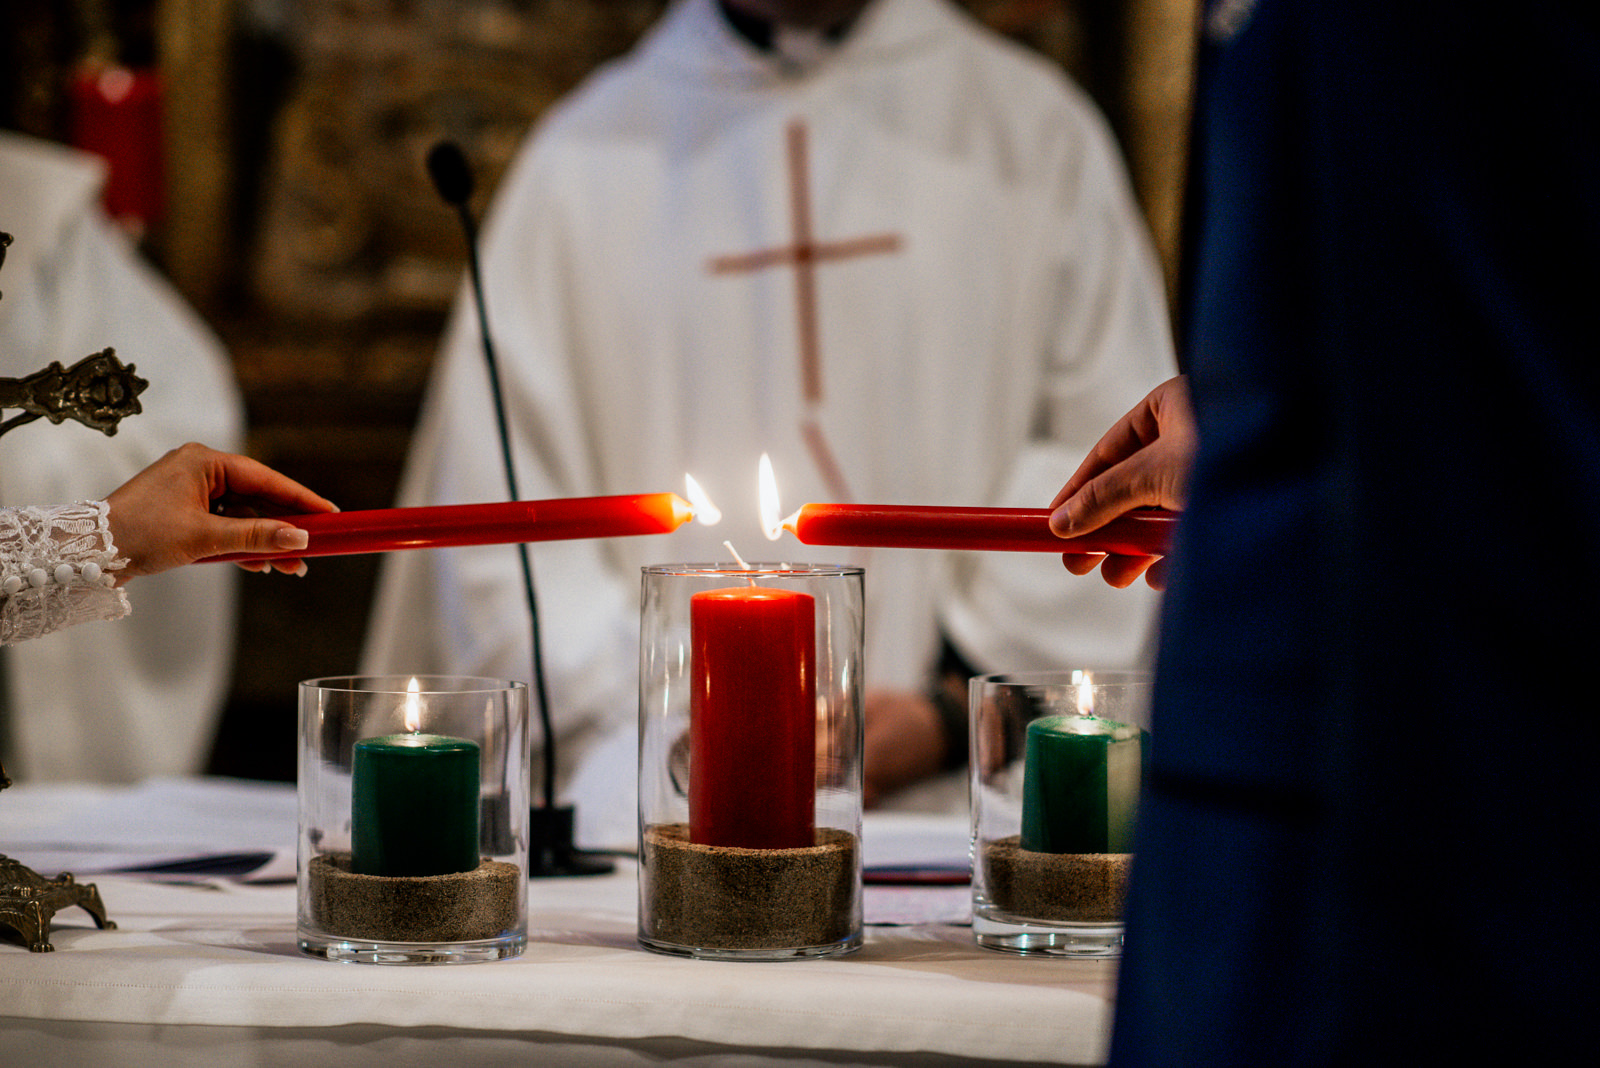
1143	532
752	718
387	529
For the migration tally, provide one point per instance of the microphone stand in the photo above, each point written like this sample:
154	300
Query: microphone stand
551	851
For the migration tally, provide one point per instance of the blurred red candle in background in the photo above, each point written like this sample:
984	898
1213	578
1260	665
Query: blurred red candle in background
116	113
752	718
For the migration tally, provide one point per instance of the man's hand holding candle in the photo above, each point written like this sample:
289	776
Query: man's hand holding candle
1142	461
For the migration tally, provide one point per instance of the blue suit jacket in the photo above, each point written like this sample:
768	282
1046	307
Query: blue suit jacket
1371	790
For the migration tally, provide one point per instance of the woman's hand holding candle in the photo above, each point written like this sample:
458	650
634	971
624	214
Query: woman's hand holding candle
196	503
1144	460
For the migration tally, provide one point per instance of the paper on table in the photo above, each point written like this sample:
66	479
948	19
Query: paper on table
907	841
912	848
172	815
199	828
906	906
268	867
206	822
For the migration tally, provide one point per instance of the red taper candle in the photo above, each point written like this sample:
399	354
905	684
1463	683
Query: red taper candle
387	529
1143	532
752	718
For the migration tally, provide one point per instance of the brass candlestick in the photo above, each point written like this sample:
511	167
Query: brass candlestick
97	391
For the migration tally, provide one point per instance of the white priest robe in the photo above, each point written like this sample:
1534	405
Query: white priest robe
987	304
108	702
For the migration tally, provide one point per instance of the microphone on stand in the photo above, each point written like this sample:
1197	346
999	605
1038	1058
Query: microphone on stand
550	827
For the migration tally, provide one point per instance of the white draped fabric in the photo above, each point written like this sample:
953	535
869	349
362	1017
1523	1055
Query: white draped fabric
984	303
73	285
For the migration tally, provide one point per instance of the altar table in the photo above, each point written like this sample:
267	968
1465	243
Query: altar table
207	972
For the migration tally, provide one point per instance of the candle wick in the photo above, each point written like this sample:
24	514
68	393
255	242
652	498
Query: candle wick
739	560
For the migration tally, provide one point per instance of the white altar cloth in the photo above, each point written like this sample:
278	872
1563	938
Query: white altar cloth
209	973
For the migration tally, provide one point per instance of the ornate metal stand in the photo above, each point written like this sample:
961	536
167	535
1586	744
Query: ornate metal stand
28	901
98	391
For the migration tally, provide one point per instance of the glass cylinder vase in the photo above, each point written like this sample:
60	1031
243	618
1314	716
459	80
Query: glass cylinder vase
413	801
1057	759
750	777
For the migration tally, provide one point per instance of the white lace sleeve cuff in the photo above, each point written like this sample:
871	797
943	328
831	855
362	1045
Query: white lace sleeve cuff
57	568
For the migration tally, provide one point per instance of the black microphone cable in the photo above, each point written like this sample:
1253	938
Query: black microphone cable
551	850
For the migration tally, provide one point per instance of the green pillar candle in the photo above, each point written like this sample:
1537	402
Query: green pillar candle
1080	785
414	808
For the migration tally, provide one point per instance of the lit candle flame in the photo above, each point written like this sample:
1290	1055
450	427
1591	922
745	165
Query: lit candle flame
1085	684
704	510
413	706
771	518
